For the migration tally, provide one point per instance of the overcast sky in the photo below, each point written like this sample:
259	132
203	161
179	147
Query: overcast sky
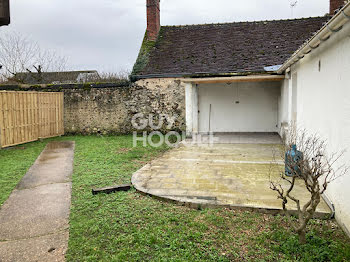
106	34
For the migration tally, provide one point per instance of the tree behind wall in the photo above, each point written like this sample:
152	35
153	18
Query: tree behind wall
19	54
112	77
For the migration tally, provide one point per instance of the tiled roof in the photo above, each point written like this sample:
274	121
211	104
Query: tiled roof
225	48
50	77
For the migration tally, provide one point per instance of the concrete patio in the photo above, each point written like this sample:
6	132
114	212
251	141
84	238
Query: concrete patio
232	175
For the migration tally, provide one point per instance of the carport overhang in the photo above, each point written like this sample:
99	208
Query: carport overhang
191	94
250	78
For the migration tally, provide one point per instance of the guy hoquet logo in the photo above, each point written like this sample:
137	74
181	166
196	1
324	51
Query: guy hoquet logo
171	138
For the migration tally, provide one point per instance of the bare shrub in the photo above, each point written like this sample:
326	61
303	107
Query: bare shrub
110	77
315	168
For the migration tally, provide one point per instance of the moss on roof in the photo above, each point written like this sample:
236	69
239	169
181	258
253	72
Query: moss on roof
143	57
213	49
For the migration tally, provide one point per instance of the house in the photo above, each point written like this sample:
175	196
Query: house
229	68
4	12
64	77
259	77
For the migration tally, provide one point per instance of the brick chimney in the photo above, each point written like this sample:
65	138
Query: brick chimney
153	19
335	5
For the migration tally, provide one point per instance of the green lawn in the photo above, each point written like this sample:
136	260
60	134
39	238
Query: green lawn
127	226
14	163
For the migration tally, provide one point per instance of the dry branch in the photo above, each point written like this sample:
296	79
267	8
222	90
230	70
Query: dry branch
316	169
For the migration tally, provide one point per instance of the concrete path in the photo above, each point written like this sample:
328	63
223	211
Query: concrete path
34	221
232	175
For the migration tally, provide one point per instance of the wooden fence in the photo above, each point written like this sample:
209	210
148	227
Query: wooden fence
28	116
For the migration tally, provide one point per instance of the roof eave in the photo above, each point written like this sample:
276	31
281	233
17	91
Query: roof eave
200	75
334	25
234	79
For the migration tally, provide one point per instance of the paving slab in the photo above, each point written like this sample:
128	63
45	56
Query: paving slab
231	175
34	221
45	248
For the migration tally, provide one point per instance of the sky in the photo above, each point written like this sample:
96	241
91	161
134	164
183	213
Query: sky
106	35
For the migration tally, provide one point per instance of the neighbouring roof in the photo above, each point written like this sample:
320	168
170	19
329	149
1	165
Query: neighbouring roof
214	49
54	77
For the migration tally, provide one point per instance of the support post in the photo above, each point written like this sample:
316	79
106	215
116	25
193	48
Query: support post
195	109
189	109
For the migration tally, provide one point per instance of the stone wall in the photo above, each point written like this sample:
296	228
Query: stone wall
109	108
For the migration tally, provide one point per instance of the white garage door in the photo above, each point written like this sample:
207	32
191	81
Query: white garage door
238	107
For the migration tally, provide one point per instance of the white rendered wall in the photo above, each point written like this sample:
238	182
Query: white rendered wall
284	106
323	106
238	107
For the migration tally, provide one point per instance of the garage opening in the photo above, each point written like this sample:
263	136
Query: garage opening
238	107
